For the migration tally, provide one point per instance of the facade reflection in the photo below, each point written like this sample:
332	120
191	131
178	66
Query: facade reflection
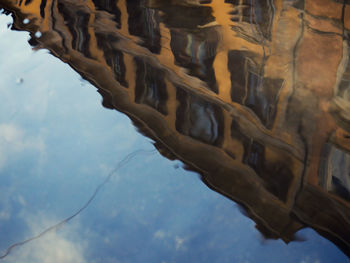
251	94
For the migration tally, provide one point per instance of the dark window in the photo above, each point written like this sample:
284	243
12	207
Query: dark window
196	53
251	90
77	23
150	86
143	22
109	6
276	174
113	56
339	171
199	119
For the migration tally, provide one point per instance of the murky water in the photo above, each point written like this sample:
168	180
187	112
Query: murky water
251	97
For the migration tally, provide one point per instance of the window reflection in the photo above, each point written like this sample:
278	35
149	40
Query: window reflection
150	86
337	173
109	6
250	89
195	52
144	23
192	42
275	169
199	119
77	23
113	57
275	172
253	15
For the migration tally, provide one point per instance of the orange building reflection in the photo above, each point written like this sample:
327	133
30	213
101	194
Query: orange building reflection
254	95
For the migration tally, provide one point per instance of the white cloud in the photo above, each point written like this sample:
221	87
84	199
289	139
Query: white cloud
308	260
159	234
9	133
13	141
21	200
4	20
179	242
5	214
54	247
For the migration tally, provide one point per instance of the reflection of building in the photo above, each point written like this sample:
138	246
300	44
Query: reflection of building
226	87
143	22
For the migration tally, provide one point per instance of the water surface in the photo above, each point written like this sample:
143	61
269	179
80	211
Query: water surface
251	98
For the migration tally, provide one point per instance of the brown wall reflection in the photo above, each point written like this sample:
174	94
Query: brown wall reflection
254	95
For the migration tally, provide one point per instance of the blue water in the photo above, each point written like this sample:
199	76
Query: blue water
57	144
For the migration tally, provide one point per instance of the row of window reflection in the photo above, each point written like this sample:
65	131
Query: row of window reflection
195	51
200	119
204	122
192	49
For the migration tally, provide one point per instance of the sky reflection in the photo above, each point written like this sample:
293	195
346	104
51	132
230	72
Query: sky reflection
57	144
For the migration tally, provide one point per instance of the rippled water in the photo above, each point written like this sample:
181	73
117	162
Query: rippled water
250	97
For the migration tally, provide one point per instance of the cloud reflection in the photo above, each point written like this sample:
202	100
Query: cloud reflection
55	247
55	226
13	141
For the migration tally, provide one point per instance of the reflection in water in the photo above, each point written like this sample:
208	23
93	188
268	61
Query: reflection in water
253	95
